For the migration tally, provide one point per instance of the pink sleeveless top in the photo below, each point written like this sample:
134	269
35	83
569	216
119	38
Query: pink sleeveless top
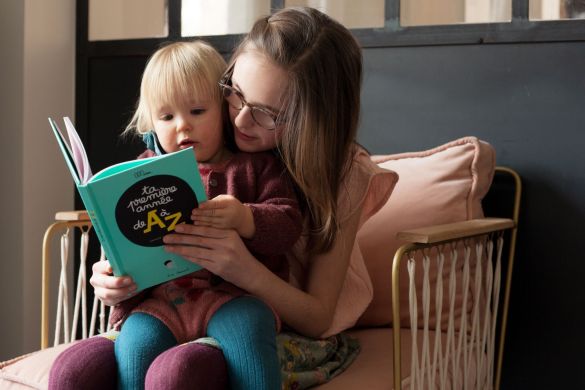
365	190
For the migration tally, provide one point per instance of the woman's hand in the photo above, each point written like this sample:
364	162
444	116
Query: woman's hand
220	251
110	289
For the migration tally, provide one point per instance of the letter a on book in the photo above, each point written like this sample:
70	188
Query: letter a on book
133	204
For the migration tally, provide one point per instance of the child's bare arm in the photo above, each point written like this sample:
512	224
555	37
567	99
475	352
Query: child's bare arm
225	212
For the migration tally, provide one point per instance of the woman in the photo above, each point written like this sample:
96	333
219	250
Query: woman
305	69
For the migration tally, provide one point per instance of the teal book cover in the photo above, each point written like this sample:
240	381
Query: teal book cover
133	204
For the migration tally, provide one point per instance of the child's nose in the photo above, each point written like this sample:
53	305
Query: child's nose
244	118
183	125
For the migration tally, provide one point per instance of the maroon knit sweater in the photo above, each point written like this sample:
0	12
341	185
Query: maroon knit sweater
260	181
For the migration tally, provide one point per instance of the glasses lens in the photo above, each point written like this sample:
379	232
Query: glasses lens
264	119
235	100
232	97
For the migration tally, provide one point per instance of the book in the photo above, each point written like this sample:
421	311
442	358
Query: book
133	204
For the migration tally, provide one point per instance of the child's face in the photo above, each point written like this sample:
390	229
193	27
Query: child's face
261	84
191	123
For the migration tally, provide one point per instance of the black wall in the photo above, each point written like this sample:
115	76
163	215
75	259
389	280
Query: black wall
526	100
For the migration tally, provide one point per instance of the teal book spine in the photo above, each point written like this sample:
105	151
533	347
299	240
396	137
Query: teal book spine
93	213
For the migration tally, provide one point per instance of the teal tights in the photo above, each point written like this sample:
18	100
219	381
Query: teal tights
244	327
246	330
142	338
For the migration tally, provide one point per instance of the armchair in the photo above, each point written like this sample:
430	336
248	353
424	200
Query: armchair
441	276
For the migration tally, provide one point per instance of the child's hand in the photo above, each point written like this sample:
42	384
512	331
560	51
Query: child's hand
225	212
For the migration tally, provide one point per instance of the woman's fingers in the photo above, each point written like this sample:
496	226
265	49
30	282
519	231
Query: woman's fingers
190	252
189	233
108	288
101	267
102	277
213	249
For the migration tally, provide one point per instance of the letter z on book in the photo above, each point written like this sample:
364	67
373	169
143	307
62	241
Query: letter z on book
133	204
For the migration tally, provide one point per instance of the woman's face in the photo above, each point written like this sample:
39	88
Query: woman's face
262	84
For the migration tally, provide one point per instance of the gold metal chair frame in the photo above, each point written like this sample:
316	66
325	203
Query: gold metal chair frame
420	239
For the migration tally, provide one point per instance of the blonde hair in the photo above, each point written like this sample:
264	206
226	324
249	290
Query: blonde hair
175	71
324	64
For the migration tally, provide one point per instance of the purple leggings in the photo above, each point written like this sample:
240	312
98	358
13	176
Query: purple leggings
90	364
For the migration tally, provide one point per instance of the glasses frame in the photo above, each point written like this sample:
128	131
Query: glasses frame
225	84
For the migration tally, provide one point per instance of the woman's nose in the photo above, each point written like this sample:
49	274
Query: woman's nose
244	118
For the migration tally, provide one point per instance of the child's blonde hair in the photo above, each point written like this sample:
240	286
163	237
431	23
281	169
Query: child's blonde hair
175	71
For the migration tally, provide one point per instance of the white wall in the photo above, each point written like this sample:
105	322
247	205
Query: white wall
37	42
11	94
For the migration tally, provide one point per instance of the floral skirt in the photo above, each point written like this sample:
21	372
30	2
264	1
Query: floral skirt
307	362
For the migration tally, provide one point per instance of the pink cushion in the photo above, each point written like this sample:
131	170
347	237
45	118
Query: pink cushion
29	371
441	185
373	367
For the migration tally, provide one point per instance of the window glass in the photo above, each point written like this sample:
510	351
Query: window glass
556	9
127	19
438	12
219	17
350	13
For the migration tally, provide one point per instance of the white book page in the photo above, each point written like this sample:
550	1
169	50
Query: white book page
79	154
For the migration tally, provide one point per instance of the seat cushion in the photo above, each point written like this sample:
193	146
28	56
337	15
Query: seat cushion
373	368
29	371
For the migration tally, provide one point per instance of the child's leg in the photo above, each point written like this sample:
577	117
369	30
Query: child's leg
245	329
88	364
142	338
188	366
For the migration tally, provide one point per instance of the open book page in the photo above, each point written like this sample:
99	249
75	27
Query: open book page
79	154
66	150
77	160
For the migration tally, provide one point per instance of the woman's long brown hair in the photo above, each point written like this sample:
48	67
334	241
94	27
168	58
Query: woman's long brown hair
324	64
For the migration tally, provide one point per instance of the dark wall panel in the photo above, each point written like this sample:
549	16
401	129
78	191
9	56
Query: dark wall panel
113	89
526	100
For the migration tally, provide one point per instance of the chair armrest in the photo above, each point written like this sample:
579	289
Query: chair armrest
454	231
77	215
429	237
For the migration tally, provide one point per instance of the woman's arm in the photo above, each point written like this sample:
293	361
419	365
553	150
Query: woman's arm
309	312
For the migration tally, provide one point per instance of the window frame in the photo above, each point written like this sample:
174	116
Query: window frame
519	30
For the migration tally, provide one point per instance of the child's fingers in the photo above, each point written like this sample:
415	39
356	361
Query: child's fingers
216	221
205	205
209	212
219	201
208	205
202	219
211	218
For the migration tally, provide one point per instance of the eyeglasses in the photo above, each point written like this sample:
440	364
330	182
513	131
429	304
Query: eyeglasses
263	117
